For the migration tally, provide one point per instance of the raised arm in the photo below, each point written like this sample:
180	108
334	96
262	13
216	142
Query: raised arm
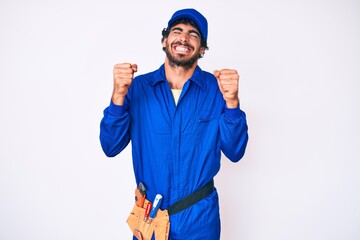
114	127
233	125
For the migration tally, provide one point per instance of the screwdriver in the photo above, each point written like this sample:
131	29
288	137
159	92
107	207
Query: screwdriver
147	211
156	206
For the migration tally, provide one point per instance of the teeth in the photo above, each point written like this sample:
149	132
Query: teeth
182	49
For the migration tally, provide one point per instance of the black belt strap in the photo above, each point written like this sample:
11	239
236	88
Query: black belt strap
193	198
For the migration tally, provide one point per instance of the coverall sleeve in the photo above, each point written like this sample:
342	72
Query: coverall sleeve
233	133
114	130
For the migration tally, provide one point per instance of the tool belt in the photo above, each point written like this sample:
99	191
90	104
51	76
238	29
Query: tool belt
160	225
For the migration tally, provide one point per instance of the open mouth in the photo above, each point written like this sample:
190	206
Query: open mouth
182	48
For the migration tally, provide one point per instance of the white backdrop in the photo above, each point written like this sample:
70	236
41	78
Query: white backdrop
299	63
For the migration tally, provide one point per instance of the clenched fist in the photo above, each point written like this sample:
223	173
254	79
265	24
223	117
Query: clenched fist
228	81
123	76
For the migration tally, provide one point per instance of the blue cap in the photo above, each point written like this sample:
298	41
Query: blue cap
194	15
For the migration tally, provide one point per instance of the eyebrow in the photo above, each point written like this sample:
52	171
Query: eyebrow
181	30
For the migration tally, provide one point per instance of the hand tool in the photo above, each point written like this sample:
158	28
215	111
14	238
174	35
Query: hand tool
156	206
147	211
140	194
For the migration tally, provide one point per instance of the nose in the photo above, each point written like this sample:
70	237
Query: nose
184	37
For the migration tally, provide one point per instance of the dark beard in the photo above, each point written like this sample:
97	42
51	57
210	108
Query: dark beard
180	62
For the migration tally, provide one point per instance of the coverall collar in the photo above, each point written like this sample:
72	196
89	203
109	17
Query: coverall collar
197	77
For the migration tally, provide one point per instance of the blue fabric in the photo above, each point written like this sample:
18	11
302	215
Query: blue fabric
177	149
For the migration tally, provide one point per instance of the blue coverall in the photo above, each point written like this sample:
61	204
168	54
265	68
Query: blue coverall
176	149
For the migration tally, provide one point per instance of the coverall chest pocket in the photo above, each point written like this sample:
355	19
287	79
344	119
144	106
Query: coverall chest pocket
207	130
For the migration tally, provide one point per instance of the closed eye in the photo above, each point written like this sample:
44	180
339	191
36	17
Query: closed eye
194	34
177	30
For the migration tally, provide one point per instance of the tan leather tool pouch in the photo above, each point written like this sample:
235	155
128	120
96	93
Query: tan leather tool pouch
159	226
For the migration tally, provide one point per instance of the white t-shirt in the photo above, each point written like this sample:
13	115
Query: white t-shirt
176	93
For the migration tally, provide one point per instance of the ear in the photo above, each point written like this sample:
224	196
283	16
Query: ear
202	50
164	42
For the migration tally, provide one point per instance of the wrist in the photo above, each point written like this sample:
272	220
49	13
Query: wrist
232	103
118	99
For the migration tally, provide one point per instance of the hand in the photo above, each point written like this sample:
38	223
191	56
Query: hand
228	81
123	76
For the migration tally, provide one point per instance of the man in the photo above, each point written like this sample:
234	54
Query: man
179	118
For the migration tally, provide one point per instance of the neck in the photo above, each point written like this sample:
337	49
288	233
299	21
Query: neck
177	75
